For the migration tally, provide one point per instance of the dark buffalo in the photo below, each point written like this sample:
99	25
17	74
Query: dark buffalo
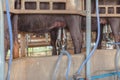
113	21
41	23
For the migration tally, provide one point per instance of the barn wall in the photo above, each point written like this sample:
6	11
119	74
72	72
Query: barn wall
41	68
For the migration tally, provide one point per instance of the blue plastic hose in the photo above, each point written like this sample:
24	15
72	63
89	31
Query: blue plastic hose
11	39
58	63
98	38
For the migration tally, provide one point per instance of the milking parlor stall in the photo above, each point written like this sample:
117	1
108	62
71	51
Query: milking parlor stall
55	51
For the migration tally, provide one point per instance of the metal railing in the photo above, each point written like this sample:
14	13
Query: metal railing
71	7
109	11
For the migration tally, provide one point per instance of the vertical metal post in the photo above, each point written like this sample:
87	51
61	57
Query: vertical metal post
88	36
2	60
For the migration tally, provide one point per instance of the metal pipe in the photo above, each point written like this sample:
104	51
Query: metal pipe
88	36
94	48
2	54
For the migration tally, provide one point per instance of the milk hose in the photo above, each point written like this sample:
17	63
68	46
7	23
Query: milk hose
11	40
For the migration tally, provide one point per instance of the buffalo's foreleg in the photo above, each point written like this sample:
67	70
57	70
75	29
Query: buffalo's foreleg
15	37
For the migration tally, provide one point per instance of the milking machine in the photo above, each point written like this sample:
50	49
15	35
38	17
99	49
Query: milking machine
11	39
61	49
2	54
61	43
107	37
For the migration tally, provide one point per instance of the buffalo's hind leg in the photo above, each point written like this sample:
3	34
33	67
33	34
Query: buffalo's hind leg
15	37
53	36
75	31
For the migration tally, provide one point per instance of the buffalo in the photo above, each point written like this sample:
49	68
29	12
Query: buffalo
41	23
114	22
